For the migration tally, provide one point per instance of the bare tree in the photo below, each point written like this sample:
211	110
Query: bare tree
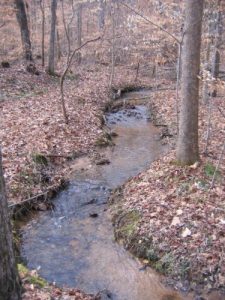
79	30
101	18
10	286
217	44
42	7
51	61
187	145
112	75
25	33
67	26
63	76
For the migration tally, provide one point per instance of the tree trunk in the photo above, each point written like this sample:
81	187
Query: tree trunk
217	44
25	33
79	31
42	7
187	145
112	75
51	60
10	288
101	18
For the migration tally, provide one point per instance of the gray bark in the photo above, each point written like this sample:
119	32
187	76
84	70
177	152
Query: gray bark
24	30
187	145
217	44
79	30
101	19
51	61
10	288
112	75
42	7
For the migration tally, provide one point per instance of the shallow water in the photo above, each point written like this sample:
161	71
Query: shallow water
71	248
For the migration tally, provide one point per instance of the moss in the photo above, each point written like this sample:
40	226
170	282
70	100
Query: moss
210	169
127	224
40	159
104	140
32	279
165	264
22	270
36	280
152	255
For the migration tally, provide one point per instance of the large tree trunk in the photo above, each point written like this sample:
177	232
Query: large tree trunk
10	288
51	61
25	33
187	146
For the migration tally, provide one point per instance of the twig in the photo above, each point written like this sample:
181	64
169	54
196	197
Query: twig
137	71
217	167
3	24
30	199
220	110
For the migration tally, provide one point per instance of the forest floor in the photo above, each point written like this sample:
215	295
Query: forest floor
181	216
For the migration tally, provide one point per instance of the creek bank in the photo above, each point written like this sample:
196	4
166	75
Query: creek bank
169	216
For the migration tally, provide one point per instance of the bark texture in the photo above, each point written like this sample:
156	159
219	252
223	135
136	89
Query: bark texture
10	288
187	146
51	61
25	33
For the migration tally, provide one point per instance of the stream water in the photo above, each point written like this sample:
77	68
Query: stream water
73	245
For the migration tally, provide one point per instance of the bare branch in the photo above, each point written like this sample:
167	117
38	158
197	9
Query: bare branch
220	110
3	24
152	23
62	78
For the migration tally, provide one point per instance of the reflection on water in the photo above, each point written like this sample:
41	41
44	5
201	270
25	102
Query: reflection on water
70	247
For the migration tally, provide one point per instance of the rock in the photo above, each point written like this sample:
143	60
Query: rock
175	221
185	233
92	201
31	68
103	161
113	134
93	215
5	64
104	295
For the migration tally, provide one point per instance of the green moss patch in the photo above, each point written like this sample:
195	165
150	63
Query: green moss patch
30	278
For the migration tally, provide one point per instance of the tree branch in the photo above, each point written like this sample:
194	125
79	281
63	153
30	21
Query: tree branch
152	23
62	78
3	24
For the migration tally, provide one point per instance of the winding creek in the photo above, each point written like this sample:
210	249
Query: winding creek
73	244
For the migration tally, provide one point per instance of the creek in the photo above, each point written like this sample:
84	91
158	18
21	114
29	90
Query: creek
73	244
